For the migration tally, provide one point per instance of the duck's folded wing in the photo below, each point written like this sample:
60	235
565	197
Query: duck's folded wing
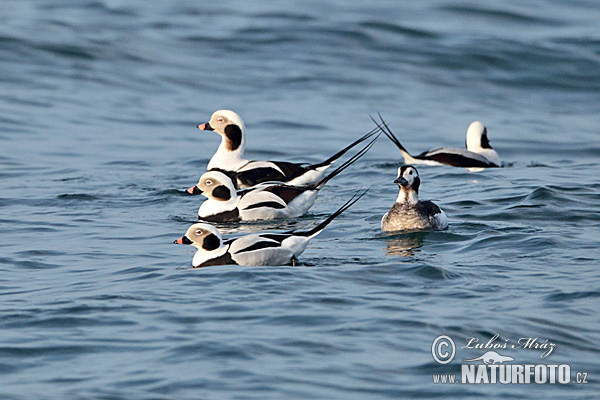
250	243
437	217
261	198
291	170
429	207
286	193
256	172
278	237
456	158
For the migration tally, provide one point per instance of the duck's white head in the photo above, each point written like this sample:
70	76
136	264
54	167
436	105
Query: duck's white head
408	178
216	186
230	126
477	139
409	182
202	236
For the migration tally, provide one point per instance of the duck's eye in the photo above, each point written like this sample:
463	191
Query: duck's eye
208	182
220	120
199	232
410	172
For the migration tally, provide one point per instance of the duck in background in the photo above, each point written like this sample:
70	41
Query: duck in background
478	154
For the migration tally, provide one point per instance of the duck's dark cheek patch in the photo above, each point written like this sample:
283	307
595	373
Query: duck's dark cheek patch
211	242
221	192
234	134
416	184
485	142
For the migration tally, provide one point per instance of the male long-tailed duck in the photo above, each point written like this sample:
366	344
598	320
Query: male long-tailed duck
261	202
478	153
267	248
229	157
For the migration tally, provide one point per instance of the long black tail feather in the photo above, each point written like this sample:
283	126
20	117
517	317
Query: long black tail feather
386	129
346	164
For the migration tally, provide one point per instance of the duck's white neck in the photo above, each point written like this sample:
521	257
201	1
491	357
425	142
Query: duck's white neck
226	159
203	256
407	196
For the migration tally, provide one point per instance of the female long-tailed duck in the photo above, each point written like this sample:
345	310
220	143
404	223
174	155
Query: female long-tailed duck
261	202
268	248
479	152
408	212
229	157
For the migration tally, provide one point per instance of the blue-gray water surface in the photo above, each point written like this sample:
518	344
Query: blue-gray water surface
99	101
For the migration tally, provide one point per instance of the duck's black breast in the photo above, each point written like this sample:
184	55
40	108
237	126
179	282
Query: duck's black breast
233	215
225	259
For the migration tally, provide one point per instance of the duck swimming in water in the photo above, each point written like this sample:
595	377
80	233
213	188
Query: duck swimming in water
408	212
229	158
478	153
262	202
266	248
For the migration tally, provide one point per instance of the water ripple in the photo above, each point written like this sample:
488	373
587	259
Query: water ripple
98	105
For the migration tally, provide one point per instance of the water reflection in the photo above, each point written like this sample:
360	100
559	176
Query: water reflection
404	244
